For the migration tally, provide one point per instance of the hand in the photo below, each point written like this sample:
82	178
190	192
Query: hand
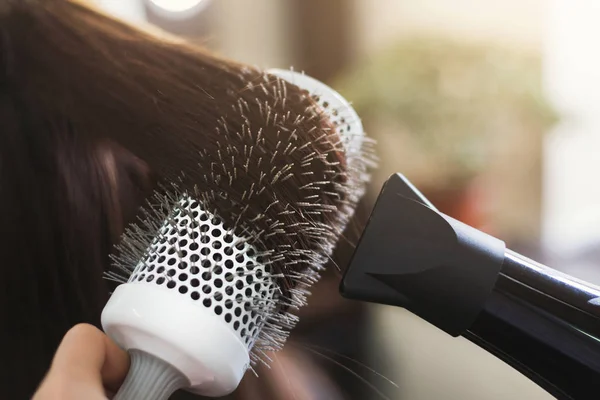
87	365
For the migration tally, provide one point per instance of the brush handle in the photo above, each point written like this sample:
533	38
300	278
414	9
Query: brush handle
150	378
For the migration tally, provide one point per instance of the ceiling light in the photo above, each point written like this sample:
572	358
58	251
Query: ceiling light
177	8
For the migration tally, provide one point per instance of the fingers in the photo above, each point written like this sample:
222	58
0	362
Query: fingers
87	361
116	365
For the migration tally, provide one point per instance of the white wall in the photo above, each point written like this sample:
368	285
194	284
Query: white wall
572	153
517	22
129	10
253	32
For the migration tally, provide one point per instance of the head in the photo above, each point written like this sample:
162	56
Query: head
94	114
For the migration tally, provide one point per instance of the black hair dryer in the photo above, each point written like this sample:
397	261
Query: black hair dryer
544	323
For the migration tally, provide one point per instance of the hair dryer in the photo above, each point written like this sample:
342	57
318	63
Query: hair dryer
542	322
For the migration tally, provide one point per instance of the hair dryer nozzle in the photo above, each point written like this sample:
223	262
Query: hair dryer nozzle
413	256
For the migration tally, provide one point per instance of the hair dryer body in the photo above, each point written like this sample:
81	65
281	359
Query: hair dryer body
544	323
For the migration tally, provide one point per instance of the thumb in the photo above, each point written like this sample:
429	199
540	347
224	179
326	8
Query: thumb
86	364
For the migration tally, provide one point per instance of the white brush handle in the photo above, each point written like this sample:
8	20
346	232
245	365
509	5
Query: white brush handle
150	378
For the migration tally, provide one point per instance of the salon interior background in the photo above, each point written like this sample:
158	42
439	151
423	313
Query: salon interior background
491	107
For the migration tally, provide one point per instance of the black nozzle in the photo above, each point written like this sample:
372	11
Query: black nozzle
412	256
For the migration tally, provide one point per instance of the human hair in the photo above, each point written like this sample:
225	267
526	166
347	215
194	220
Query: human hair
94	113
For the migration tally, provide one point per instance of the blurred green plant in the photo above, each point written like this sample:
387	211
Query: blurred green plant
451	97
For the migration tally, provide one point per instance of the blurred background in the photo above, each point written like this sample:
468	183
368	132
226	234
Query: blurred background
491	108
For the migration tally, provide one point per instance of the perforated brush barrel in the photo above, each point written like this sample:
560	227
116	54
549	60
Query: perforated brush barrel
200	294
196	256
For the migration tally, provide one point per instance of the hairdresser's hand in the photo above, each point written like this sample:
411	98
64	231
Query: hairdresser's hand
87	365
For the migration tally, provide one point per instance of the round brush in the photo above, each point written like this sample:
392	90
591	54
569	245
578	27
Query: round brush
211	275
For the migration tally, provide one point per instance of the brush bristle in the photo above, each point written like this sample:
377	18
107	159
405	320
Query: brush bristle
279	179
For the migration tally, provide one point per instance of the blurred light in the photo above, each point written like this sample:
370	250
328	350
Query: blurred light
130	11
177	8
176	5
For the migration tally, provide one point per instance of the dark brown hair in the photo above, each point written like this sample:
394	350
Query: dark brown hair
93	113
